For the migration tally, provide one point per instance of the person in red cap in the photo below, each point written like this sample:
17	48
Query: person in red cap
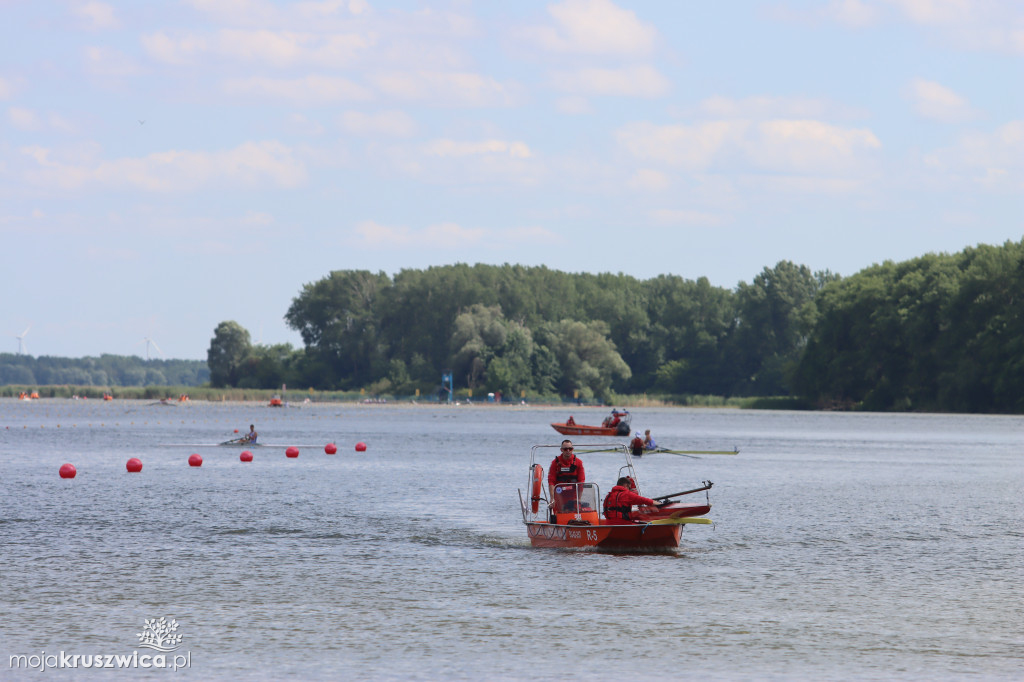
566	468
618	504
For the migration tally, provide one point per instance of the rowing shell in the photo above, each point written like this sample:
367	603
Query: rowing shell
245	445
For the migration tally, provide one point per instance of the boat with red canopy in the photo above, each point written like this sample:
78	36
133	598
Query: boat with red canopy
615	424
573	519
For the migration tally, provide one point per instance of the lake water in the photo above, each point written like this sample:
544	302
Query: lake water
845	546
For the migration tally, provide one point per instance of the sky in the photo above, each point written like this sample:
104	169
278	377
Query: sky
169	165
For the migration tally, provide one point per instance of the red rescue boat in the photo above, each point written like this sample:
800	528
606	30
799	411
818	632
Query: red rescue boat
578	523
615	424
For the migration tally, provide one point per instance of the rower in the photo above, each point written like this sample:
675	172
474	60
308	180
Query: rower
251	436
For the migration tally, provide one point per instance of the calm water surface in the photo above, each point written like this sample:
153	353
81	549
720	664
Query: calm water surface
846	546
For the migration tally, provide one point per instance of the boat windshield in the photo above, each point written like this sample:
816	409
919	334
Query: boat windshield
575	497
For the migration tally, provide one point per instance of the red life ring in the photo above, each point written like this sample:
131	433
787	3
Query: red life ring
537	476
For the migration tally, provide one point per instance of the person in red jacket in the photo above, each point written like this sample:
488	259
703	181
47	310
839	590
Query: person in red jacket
618	504
637	445
565	468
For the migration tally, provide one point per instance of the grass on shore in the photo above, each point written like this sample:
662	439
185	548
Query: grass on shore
209	394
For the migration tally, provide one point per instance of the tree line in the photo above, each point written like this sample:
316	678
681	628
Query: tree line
520	330
942	332
106	370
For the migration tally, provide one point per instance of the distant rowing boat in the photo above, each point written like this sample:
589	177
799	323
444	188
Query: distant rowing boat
244	445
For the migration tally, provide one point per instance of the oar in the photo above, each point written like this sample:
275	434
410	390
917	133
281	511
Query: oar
233	441
673	521
666	451
707	486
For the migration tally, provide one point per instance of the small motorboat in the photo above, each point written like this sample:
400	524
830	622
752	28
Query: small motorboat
615	424
276	402
573	519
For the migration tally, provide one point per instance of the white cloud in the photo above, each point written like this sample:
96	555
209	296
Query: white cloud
451	148
649	180
779	146
24	119
596	27
995	159
983	25
387	123
668	216
97	14
441	235
450	89
635	81
852	13
938	11
807	146
107	61
573	106
308	90
765	106
938	102
693	147
302	125
273	48
449	235
253	164
29	120
6	88
261	12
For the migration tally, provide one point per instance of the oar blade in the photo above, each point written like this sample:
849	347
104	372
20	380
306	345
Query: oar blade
697	452
674	521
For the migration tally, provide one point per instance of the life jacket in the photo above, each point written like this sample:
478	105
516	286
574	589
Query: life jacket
567	473
615	508
637	445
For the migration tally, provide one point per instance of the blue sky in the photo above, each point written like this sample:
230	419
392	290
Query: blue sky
165	166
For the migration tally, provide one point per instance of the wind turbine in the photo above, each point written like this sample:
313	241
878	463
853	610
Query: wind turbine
148	341
21	340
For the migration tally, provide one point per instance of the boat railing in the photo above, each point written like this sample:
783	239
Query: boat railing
573	502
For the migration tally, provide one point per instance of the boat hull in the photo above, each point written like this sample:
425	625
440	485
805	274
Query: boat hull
631	537
584	430
676	510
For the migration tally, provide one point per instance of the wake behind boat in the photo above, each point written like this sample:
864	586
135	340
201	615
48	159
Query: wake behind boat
572	519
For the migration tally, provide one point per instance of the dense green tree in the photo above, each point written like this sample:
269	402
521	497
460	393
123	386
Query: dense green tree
939	332
588	359
340	320
229	348
775	314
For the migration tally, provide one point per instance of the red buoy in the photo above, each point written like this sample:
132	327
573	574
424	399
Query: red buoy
68	471
292	452
236	430
246	456
195	460
360	446
330	448
134	465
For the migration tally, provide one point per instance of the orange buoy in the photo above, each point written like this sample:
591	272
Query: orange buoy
194	460
360	446
68	471
537	475
246	456
236	430
330	448
134	465
292	452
